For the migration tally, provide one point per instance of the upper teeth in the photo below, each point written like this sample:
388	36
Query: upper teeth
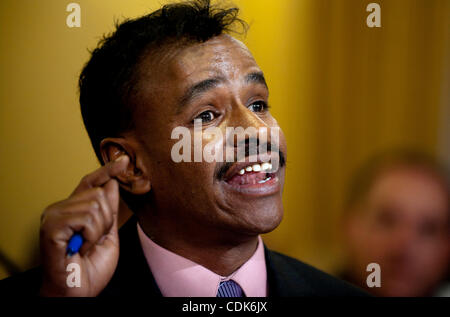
256	168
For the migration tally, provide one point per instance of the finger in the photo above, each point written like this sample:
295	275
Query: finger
98	207
83	217
102	175
100	195
111	191
54	214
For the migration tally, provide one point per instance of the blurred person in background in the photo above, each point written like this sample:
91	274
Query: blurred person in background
398	216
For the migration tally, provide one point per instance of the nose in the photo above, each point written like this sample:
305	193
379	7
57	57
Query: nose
246	124
250	135
404	240
242	116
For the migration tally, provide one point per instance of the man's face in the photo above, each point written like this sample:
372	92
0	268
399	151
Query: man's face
404	228
219	83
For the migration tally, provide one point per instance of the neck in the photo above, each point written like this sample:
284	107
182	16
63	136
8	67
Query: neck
220	251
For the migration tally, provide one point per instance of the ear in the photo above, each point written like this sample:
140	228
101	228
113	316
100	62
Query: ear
135	180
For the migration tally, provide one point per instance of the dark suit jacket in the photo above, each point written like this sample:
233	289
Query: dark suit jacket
286	276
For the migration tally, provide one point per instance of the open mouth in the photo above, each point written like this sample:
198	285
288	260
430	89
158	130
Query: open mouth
254	179
252	174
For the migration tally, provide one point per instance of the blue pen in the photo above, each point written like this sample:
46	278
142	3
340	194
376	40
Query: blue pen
75	243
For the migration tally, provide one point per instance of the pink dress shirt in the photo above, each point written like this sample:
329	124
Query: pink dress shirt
177	276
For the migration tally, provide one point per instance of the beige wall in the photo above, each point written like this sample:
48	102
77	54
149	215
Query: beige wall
340	90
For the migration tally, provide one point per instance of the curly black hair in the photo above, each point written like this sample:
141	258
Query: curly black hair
106	81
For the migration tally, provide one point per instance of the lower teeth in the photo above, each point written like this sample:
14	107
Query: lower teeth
264	180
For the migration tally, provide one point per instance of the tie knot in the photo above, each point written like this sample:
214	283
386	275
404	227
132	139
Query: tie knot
229	289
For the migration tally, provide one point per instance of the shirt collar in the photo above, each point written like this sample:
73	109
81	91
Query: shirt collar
177	276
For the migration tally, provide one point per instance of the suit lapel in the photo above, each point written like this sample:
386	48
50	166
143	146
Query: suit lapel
132	276
283	280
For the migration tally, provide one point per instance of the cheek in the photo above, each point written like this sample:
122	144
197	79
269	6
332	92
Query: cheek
185	186
192	178
281	142
183	173
371	242
431	252
379	243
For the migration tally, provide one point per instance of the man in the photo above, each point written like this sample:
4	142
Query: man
196	225
398	216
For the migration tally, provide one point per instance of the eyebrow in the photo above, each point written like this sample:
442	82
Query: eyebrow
210	83
256	78
199	88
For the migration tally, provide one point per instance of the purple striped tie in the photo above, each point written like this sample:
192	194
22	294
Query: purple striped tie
230	289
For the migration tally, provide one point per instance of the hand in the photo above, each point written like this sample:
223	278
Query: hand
92	210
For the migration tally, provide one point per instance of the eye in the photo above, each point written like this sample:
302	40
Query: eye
259	106
205	116
429	229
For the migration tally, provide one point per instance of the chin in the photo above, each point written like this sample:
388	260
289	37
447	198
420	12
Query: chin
263	220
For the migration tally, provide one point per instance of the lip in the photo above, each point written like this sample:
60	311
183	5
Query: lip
269	187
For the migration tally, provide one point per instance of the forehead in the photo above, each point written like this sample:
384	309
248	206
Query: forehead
222	55
416	191
181	64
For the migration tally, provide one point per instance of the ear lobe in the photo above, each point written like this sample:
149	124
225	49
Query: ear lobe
135	179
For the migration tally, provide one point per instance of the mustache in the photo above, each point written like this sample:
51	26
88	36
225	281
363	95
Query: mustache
223	168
